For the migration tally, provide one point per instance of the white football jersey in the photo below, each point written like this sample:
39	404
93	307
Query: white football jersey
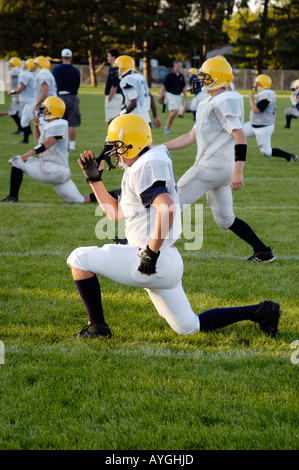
58	153
28	79
135	86
266	117
154	165
216	118
14	76
44	75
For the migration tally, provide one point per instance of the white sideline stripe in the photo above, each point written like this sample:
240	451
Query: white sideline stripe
184	254
148	351
65	204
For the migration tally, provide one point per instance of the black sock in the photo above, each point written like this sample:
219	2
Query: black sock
280	153
220	317
288	119
27	132
92	197
16	178
244	231
17	121
90	292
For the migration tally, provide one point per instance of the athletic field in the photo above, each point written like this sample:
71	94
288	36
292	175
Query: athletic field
147	388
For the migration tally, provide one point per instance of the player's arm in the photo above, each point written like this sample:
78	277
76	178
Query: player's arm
252	104
157	121
93	175
39	148
44	94
240	157
165	212
183	141
18	90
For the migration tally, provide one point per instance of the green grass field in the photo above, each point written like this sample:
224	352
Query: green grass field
147	388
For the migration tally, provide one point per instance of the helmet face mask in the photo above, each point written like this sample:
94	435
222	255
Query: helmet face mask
119	148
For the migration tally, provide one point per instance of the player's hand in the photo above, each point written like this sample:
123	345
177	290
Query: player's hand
148	261
26	155
91	170
237	182
157	122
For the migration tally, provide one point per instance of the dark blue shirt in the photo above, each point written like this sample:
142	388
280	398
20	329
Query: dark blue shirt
174	83
67	78
112	80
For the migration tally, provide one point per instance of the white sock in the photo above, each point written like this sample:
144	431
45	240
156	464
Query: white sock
72	145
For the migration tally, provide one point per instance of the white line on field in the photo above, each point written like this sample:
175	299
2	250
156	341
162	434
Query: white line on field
184	254
148	351
61	204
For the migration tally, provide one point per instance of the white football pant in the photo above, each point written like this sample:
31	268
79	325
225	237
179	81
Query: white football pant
215	183
120	264
262	135
48	172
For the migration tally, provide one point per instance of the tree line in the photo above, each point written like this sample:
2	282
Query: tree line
160	29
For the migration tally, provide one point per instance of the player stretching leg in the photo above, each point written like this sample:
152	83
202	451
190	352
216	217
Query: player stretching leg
149	202
52	165
221	154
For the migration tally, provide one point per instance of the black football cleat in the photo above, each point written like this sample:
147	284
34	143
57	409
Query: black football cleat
10	199
95	330
292	158
262	257
267	316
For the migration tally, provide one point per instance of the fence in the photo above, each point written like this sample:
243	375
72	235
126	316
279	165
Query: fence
243	78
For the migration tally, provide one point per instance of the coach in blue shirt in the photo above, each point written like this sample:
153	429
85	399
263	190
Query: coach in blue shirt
68	82
174	84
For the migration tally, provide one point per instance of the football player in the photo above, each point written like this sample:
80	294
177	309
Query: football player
138	98
52	148
15	66
221	154
262	118
25	90
45	84
293	111
150	205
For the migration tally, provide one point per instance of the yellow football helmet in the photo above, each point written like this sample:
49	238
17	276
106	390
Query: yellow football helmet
125	64
129	134
295	85
30	65
15	62
192	71
215	73
42	62
53	108
262	82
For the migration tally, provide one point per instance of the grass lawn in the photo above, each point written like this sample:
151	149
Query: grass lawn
147	388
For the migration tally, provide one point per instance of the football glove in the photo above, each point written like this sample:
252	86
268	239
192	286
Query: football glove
91	171
148	261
